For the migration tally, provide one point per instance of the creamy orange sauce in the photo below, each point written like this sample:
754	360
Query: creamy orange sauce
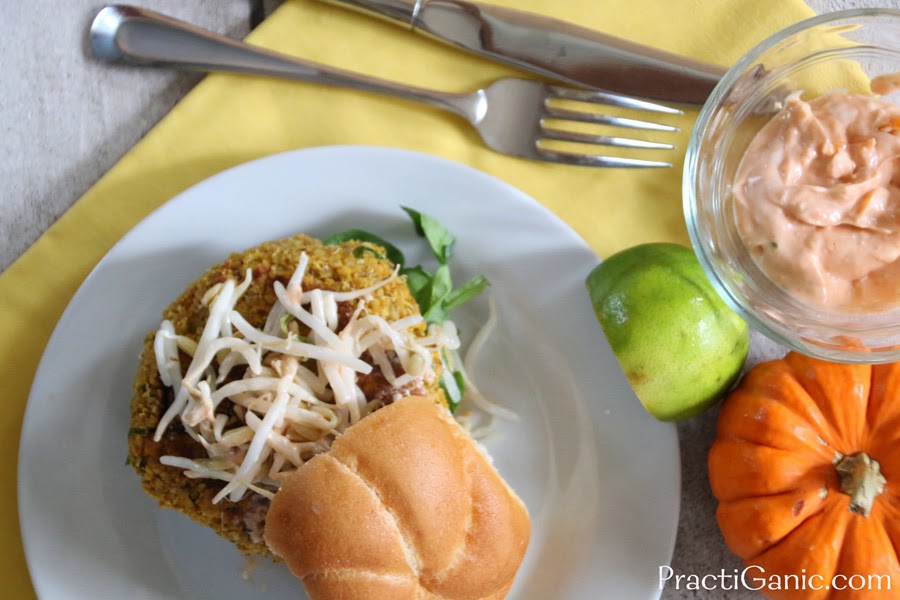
817	201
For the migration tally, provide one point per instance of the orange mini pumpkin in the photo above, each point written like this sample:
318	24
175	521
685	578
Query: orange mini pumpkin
806	468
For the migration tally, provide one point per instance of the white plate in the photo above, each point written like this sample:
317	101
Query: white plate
600	477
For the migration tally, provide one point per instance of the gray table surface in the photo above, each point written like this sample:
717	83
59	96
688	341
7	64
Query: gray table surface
67	120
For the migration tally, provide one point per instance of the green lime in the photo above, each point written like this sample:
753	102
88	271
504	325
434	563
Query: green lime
678	343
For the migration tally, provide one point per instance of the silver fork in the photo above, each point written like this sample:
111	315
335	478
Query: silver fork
511	114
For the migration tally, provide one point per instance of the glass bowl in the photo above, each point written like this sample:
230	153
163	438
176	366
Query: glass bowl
836	51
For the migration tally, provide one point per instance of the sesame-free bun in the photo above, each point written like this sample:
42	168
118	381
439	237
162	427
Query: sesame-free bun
403	507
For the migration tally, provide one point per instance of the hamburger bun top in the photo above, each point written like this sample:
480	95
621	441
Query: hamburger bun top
404	506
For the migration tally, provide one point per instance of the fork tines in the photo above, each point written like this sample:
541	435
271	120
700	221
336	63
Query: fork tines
607	99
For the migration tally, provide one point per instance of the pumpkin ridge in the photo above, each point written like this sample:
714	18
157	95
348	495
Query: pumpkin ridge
820	448
890	503
802	403
817	459
884	425
862	535
883	440
780	558
811	479
797	491
822	381
749	402
882	413
883	524
742	470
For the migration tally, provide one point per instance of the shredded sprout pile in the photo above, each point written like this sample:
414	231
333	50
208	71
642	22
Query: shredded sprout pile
297	392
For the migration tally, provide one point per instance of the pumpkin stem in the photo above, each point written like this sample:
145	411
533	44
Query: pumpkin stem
861	479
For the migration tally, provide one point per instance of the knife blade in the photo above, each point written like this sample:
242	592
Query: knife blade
552	48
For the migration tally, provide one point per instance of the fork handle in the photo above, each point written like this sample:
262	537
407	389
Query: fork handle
134	36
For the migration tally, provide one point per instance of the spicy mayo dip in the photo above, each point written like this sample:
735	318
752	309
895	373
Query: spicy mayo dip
817	201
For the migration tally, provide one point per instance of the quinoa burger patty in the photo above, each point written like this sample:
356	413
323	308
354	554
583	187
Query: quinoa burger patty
341	268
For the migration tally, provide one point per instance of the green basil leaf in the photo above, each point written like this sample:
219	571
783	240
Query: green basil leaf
393	253
440	240
453	403
416	217
450	384
460	383
437	290
441	284
465	292
435	314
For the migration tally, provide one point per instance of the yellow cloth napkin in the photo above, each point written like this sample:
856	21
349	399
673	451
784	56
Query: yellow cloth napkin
231	119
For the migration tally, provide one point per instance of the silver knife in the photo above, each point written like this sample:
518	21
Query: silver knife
552	48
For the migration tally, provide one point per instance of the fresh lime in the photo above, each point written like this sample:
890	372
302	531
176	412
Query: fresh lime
678	343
